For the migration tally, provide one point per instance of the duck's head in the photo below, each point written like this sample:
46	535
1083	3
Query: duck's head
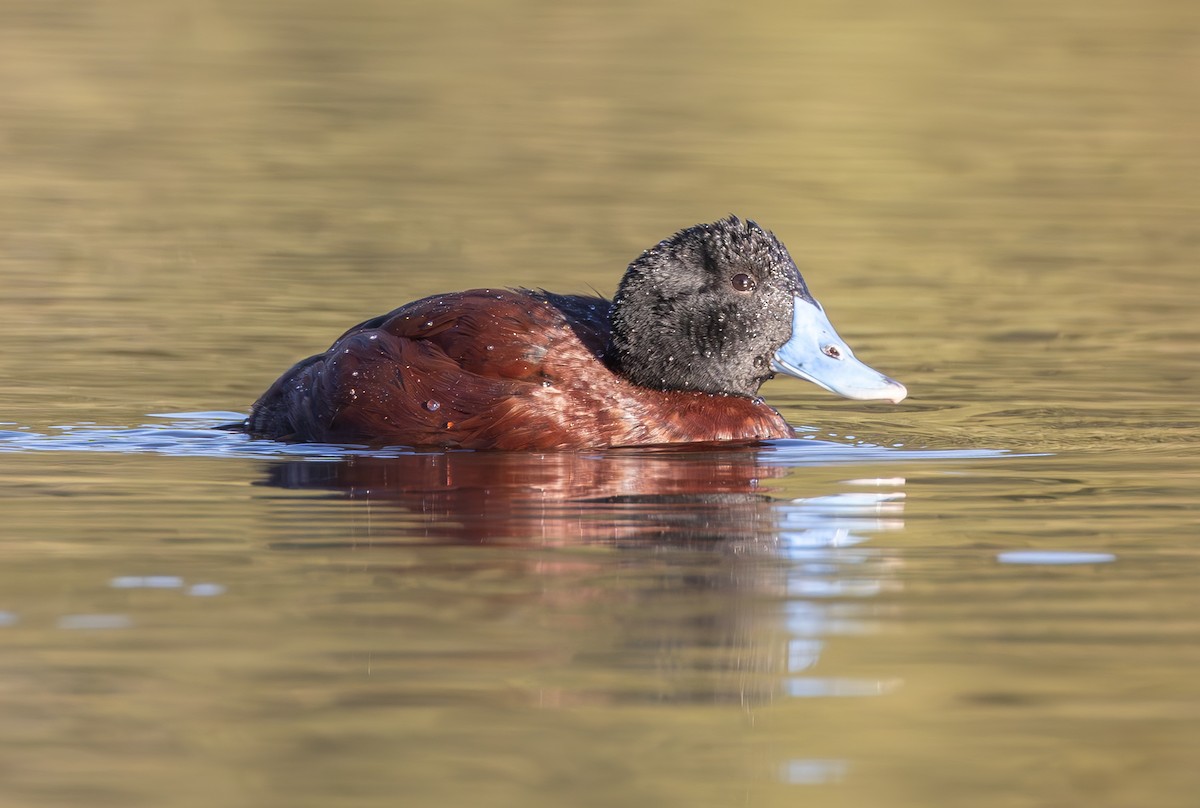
720	308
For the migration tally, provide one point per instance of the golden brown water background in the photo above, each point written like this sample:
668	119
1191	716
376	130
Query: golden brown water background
998	204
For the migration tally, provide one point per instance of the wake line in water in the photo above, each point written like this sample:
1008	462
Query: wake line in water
195	434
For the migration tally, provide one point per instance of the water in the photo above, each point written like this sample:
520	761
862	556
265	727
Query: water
986	595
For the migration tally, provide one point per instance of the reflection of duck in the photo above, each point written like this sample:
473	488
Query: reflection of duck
708	497
702	497
699	323
742	615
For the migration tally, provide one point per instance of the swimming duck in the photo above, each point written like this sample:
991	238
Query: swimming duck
698	323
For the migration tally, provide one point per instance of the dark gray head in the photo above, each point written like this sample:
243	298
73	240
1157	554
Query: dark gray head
719	308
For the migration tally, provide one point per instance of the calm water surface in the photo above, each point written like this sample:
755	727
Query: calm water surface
985	596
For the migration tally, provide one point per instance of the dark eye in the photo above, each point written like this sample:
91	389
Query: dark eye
743	282
832	351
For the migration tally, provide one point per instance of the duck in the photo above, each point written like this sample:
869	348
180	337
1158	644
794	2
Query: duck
698	323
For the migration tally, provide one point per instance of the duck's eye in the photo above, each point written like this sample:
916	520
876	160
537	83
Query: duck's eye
832	351
743	282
